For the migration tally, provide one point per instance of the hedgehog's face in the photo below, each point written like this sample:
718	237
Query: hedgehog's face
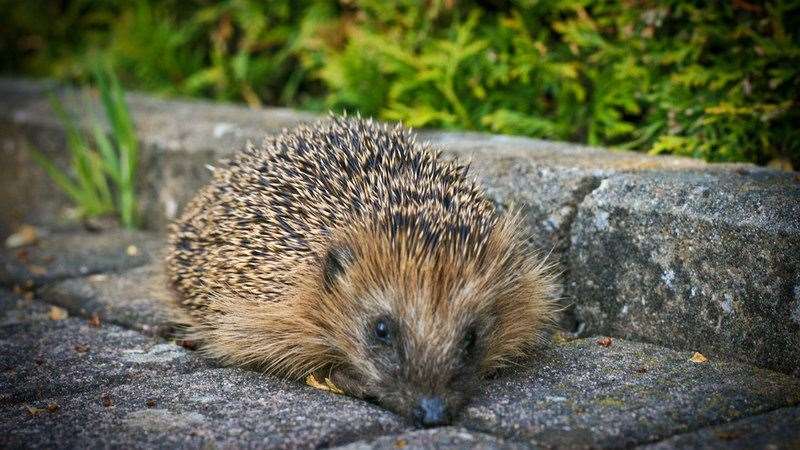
424	371
409	352
417	335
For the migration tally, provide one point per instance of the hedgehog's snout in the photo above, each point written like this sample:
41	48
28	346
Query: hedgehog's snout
431	412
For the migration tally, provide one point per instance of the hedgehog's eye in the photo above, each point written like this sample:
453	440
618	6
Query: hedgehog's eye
383	331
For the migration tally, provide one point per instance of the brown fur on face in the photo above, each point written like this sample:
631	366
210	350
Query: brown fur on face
291	258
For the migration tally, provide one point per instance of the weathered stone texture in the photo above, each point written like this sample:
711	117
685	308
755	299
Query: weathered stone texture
66	254
447	438
221	408
703	261
779	429
583	395
135	299
43	358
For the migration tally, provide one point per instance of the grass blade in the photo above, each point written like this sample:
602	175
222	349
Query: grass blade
107	152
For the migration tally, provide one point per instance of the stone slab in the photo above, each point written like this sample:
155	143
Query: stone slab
223	408
16	309
779	429
582	395
133	299
453	438
705	261
69	254
127	390
43	358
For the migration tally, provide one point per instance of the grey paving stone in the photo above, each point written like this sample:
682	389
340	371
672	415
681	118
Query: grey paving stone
44	357
439	438
132	299
779	429
693	260
69	254
15	309
223	408
583	395
574	395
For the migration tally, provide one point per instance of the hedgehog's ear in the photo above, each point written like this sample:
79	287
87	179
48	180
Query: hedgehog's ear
337	259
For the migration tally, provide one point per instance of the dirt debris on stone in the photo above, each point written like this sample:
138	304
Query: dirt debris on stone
94	320
23	256
605	342
106	400
188	344
81	348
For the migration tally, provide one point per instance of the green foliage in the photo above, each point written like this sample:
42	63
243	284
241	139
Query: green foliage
103	178
715	80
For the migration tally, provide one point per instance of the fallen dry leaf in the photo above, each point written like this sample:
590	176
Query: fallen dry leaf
311	380
333	388
151	403
52	407
562	337
33	411
605	341
698	357
400	443
132	250
26	235
57	313
105	398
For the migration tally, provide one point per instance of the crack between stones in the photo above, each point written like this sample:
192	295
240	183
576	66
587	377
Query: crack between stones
500	435
712	425
566	245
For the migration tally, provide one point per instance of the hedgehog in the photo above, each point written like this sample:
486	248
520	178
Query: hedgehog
347	251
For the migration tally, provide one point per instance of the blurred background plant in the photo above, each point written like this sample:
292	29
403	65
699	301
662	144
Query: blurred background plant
102	174
712	80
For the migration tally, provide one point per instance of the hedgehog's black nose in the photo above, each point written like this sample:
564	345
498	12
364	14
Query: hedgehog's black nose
430	412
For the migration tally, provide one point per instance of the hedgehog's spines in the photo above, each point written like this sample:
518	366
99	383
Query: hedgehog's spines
245	255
